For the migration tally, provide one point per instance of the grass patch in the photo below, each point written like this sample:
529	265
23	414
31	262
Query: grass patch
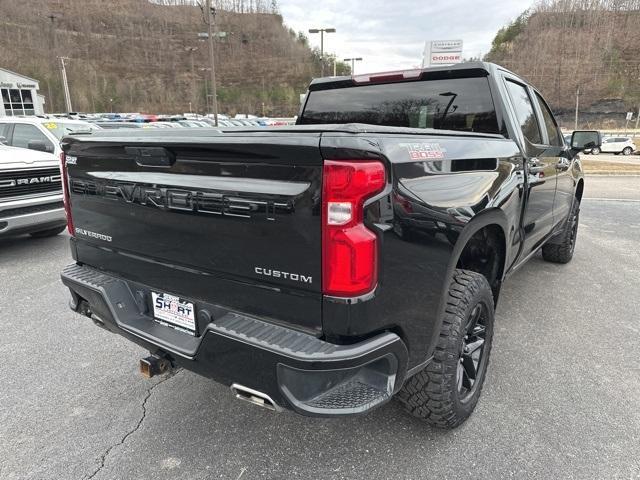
596	166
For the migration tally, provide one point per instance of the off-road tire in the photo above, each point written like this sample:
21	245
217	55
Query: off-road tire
563	246
51	232
433	393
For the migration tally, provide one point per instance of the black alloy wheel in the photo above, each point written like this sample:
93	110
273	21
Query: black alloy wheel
573	232
471	362
447	390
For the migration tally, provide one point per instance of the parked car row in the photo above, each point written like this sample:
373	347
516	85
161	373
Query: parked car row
44	133
189	120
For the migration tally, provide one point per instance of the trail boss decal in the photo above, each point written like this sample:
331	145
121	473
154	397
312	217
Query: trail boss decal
424	151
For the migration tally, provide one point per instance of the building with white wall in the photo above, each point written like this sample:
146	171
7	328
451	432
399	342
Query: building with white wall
19	95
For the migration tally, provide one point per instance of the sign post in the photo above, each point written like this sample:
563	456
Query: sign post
626	125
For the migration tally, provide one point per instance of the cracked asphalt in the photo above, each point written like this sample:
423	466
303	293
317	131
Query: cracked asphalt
562	399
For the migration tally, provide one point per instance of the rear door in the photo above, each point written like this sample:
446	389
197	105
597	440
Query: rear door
540	167
610	145
556	150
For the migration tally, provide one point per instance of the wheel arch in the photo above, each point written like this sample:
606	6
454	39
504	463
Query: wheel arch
494	220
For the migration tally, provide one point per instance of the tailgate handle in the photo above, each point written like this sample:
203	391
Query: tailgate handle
151	156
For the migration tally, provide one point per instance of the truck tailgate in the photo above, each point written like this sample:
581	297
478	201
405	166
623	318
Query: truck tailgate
205	216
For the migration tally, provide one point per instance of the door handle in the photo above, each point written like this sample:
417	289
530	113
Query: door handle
563	164
534	166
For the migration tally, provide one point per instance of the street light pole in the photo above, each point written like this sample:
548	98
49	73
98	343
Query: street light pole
210	28
322	31
353	63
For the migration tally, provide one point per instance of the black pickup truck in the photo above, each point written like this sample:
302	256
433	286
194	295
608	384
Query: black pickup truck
328	266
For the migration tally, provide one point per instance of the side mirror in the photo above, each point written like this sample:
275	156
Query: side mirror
40	146
3	140
584	139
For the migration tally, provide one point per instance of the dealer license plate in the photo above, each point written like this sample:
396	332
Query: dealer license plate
174	312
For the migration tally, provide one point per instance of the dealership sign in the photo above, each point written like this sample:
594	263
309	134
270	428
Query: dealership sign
442	52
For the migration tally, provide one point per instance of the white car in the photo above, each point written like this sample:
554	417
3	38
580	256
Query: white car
41	134
623	145
30	193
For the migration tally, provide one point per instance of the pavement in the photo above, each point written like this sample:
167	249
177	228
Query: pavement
561	400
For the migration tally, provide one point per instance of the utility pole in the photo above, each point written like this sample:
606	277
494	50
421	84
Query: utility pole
52	54
193	75
322	31
206	89
65	84
577	106
353	63
211	15
637	119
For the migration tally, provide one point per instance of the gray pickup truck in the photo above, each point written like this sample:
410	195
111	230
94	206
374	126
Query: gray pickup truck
30	193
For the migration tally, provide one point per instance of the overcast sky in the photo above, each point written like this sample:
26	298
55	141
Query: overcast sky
391	34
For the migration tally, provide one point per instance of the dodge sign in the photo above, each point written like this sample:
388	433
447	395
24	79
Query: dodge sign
442	52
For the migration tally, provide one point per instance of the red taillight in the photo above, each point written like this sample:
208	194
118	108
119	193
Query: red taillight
349	248
65	191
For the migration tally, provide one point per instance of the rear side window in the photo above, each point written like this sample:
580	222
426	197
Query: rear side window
550	124
524	112
463	104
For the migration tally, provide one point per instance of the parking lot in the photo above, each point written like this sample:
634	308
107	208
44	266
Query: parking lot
561	399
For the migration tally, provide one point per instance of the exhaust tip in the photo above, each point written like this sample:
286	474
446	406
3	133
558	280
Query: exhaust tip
255	397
